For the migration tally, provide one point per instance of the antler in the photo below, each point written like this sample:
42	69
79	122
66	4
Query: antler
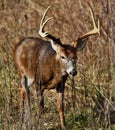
43	33
43	23
96	29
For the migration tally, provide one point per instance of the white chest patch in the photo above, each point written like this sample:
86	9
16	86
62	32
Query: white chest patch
63	72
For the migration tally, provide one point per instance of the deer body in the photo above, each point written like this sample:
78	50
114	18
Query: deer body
47	64
39	63
36	59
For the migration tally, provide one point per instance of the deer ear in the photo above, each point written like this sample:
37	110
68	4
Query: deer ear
81	43
55	46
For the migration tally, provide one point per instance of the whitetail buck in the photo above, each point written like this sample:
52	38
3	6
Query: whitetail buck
48	64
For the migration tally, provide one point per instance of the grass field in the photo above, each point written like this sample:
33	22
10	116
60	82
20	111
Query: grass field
90	96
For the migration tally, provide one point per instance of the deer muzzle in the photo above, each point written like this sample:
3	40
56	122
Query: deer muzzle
73	72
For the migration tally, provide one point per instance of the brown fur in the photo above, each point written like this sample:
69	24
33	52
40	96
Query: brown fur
38	59
35	58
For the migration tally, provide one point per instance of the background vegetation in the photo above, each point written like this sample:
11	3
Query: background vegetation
90	96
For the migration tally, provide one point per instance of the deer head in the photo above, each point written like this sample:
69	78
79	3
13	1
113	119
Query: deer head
68	53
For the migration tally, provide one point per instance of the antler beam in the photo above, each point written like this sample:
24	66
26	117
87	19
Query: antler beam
43	23
43	33
96	29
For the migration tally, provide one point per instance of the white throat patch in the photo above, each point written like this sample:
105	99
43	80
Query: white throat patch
68	66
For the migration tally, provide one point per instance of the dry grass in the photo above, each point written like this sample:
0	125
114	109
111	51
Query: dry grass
90	96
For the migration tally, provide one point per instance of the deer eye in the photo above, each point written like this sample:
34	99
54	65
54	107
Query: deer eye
62	57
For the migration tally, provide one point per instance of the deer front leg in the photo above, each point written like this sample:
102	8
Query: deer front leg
60	105
53	83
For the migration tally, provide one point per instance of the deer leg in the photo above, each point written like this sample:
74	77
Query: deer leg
36	87
24	97
40	98
60	101
27	100
41	102
61	109
60	106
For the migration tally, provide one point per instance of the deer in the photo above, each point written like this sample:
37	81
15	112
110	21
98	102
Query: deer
47	64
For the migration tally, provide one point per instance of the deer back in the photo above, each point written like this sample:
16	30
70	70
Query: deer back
35	57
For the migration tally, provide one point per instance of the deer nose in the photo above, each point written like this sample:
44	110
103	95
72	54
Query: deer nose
73	72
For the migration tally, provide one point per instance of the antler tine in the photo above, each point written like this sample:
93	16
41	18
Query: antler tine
42	24
96	29
44	15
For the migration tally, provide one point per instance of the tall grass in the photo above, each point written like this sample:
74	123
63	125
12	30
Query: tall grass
90	96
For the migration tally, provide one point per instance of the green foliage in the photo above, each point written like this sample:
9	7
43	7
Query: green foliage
77	121
81	121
